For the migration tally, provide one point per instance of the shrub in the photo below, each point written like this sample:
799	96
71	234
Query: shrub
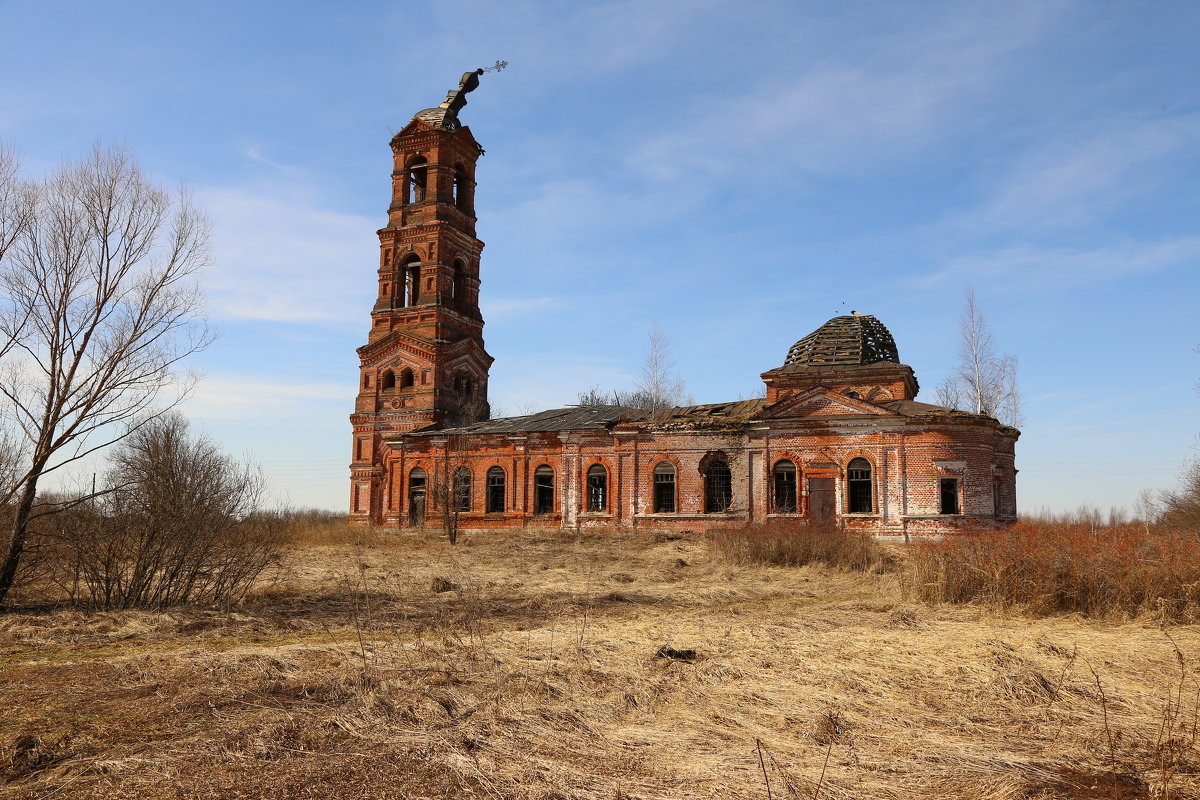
1123	569
794	543
178	524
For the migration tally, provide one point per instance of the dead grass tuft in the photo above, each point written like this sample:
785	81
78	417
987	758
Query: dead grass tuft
1124	570
795	543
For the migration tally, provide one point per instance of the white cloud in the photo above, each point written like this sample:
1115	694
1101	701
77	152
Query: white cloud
1026	266
851	113
280	258
1070	180
235	397
500	307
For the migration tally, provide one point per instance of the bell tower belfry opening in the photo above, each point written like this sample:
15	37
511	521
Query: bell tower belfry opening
424	364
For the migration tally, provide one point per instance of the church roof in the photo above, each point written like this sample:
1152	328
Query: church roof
572	418
855	339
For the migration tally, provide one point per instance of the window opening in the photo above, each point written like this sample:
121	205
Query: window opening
543	490
859	487
785	487
388	381
597	488
995	498
406	378
416	497
949	492
412	283
417	174
461	189
462	489
718	487
495	490
664	488
458	289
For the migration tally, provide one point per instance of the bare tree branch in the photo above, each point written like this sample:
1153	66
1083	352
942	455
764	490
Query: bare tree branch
98	304
982	382
659	386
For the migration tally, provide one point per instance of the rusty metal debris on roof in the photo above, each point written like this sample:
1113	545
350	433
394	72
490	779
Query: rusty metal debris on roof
445	116
853	339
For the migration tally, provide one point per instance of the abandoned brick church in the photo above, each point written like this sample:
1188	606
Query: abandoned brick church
839	436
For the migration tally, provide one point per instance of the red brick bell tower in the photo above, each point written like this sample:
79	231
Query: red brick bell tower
424	364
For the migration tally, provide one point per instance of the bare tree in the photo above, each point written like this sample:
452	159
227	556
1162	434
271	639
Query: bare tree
659	386
178	523
15	203
983	382
97	307
451	489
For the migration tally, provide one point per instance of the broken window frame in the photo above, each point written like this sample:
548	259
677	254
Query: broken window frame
860	487
664	488
718	487
461	490
597	489
416	180
543	490
785	480
496	481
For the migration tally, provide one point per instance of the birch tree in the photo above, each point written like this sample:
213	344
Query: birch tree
982	382
97	308
659	386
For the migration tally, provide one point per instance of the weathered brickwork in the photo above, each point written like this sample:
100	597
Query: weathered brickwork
839	435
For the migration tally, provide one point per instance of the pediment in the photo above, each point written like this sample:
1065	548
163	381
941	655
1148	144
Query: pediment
395	343
822	402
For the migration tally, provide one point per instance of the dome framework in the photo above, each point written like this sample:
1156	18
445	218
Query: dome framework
857	339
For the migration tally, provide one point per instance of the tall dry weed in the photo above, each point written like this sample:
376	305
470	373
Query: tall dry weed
1121	570
794	544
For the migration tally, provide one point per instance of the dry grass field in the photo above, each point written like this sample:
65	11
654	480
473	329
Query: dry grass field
375	665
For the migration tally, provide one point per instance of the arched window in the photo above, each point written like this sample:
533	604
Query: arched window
387	380
664	488
410	277
718	487
462	189
458	289
495	490
597	488
416	497
406	378
859	487
785	487
462	489
415	181
543	490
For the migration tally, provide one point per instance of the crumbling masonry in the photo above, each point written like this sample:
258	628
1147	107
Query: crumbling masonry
839	436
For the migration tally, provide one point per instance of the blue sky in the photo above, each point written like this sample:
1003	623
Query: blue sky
737	172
